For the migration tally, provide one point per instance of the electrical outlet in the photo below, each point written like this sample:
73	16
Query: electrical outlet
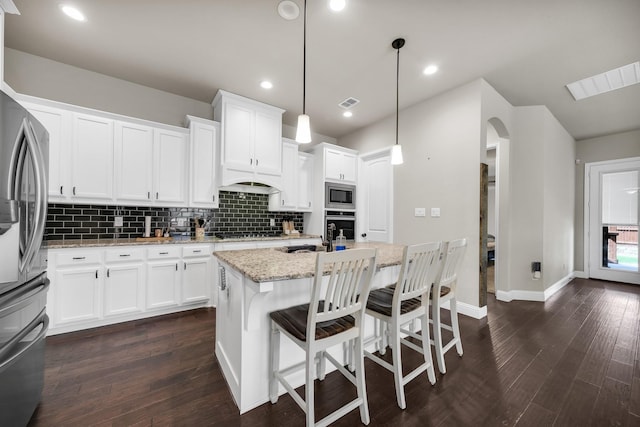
419	212
117	221
435	212
272	222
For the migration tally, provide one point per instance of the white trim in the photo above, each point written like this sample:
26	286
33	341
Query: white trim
580	274
540	296
468	309
9	7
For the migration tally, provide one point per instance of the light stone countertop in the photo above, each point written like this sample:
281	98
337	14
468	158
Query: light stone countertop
271	264
87	243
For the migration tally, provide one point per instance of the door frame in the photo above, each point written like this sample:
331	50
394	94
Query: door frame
586	208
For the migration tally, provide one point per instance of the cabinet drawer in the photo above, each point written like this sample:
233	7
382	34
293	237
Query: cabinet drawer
163	252
78	258
195	251
124	254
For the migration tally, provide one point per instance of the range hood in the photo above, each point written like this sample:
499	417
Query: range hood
250	187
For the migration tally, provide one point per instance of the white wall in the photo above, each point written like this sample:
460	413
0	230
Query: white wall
612	147
440	140
33	75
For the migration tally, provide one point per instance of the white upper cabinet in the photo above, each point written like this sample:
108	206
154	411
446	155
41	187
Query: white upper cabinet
170	167
203	186
58	123
297	180
340	165
134	154
305	182
92	158
251	140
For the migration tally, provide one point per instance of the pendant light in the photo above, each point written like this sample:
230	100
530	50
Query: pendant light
396	151
303	133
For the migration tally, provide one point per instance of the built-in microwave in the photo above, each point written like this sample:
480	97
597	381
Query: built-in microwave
339	196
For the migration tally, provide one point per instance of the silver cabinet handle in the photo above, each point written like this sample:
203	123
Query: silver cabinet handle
74	190
197	251
156	195
164	253
251	161
96	274
176	266
222	283
148	194
108	272
78	257
125	255
61	192
185	265
213	198
256	162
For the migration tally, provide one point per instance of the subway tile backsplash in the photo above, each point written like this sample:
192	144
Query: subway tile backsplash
238	213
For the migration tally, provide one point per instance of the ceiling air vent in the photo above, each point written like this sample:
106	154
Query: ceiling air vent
348	103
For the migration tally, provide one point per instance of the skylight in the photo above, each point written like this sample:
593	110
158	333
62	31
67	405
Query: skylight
626	75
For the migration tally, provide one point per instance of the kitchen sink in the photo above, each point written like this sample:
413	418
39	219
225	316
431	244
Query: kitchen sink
302	249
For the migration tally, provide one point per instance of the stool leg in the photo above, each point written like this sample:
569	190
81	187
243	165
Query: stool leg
308	388
397	362
360	380
275	362
455	326
437	336
426	346
322	363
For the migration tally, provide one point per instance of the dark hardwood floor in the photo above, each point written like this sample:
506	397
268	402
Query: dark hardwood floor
572	361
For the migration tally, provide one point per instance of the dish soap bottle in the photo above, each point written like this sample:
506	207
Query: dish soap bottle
341	242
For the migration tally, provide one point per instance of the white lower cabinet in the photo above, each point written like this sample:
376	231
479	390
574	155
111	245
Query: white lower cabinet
77	294
196	274
124	283
163	271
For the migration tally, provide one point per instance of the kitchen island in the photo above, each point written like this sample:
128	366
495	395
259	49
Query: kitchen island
256	282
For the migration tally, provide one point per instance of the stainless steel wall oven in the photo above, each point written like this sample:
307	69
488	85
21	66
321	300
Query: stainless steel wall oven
343	220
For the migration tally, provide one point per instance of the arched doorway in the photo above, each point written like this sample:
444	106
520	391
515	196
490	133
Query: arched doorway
496	238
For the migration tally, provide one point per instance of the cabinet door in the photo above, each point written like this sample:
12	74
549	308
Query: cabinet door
332	164
92	158
58	124
289	194
163	280
134	160
196	280
238	128
124	289
305	182
170	167
77	294
349	167
203	188
268	143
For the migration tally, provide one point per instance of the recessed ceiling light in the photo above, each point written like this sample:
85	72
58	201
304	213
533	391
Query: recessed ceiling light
288	10
347	114
72	12
430	69
337	5
605	82
266	84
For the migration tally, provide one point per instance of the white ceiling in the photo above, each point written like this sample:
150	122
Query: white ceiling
527	50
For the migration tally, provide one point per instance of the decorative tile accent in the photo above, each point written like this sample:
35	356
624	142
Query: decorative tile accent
238	213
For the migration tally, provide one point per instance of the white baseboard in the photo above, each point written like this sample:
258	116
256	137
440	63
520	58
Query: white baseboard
580	274
468	309
541	296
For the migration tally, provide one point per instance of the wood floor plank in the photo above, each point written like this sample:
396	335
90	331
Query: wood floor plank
578	406
612	405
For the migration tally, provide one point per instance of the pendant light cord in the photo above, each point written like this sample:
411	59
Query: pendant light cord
397	92
304	61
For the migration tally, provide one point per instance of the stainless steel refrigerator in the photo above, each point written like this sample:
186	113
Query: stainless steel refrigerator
24	154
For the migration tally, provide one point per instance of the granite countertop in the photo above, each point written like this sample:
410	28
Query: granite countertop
271	264
87	243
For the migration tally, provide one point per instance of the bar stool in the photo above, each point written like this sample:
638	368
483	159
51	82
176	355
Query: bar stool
335	315
399	304
445	290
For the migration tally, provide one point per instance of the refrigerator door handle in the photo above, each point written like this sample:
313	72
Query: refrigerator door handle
43	319
11	301
40	207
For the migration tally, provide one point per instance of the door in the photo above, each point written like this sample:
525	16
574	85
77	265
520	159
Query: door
77	294
170	175
134	151
376	193
268	143
124	289
163	279
92	158
195	280
204	191
613	220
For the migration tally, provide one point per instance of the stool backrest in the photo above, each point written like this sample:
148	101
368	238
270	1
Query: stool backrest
454	253
350	275
420	268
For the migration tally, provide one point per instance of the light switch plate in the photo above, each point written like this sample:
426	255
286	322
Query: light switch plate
435	212
420	212
117	221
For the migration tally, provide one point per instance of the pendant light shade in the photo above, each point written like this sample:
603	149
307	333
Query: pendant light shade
396	151
303	133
